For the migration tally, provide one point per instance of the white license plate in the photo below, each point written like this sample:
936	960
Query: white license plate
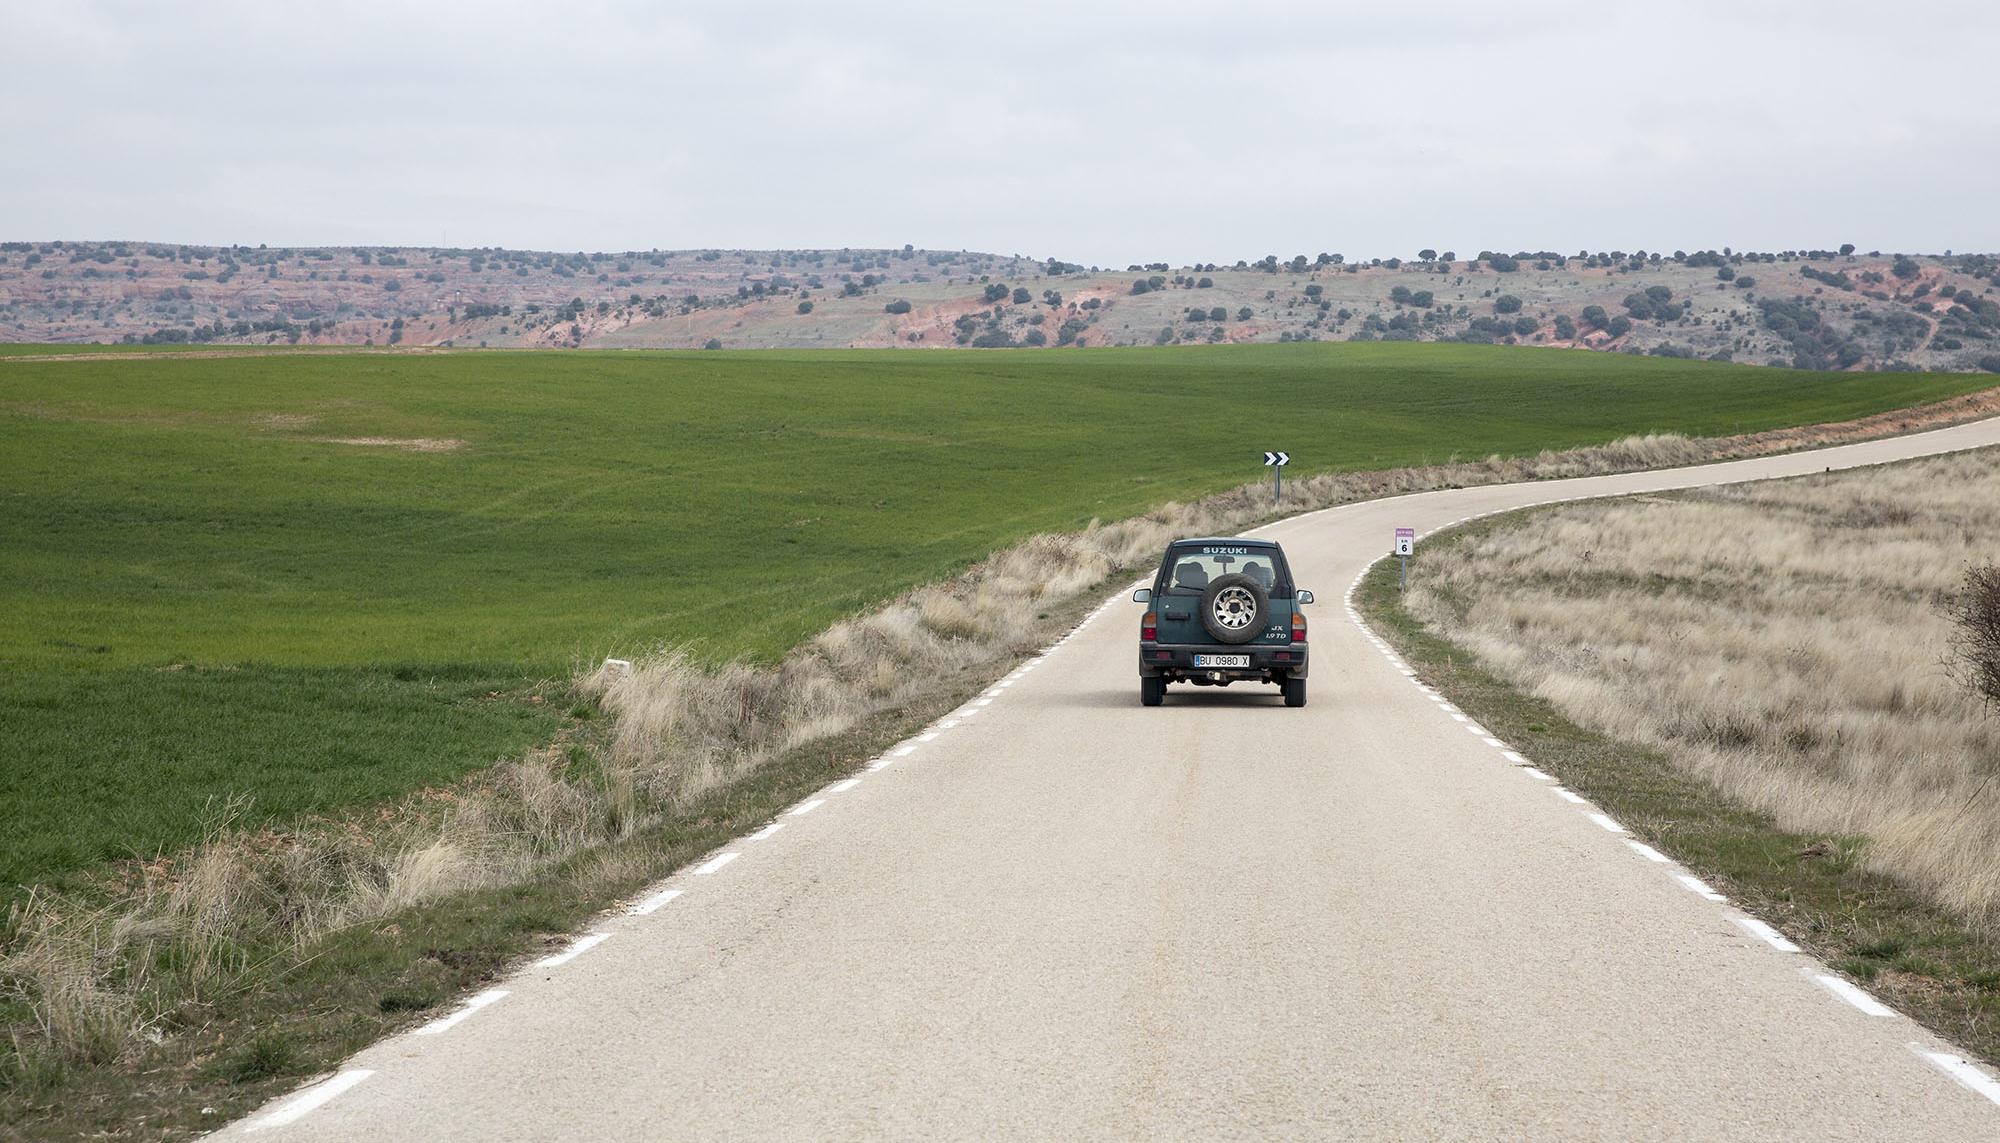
1222	660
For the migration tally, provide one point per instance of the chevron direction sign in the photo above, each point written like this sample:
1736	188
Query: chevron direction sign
1277	458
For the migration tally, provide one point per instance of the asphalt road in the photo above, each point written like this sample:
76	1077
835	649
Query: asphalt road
1064	915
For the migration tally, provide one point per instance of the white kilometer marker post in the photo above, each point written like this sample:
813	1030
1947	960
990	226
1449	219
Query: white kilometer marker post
295	1109
652	904
471	1006
576	949
1868	1005
1765	933
1962	1070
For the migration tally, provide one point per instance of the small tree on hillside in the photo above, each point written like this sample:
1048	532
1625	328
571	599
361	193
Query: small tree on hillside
1506	304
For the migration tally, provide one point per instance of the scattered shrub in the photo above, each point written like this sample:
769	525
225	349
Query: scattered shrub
1975	643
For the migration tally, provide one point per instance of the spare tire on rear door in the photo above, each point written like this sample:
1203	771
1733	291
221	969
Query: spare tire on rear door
1234	608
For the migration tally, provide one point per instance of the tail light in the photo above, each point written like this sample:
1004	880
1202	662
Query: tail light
1149	627
1298	626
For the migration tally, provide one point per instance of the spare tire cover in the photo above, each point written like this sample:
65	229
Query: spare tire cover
1235	608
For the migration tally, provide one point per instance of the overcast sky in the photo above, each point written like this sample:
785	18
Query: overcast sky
1101	132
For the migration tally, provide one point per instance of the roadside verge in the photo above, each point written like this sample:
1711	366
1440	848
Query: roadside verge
1814	889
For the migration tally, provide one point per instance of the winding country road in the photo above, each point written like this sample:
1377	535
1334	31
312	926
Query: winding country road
1058	914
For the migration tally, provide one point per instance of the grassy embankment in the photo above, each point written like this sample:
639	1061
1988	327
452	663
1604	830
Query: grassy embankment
207	590
1754	680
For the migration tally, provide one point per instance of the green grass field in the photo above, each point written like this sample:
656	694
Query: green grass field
204	592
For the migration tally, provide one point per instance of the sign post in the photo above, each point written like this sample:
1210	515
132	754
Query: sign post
1276	462
1406	544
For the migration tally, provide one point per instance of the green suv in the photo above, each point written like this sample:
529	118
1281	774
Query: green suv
1222	611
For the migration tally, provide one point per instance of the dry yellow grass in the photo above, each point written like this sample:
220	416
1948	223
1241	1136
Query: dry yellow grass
1784	640
682	728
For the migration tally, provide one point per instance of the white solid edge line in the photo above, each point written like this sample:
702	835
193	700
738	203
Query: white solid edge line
306	1100
576	949
652	904
1570	796
1868	1005
807	807
1963	1070
715	863
1606	822
843	786
1700	888
471	1005
1765	933
1648	852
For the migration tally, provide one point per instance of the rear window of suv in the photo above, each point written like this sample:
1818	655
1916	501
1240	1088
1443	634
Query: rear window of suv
1189	570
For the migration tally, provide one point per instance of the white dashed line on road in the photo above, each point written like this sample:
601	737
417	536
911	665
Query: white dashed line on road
1765	933
652	904
1963	1070
807	807
577	948
843	786
767	831
1531	772
472	1005
1571	796
1649	853
1701	888
715	863
1868	1005
1605	822
294	1109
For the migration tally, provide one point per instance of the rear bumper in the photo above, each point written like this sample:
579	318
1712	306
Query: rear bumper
1267	661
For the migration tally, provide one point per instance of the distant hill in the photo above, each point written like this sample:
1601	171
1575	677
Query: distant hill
1822	309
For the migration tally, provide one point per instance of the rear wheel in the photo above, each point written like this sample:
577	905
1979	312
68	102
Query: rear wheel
1295	691
1152	690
